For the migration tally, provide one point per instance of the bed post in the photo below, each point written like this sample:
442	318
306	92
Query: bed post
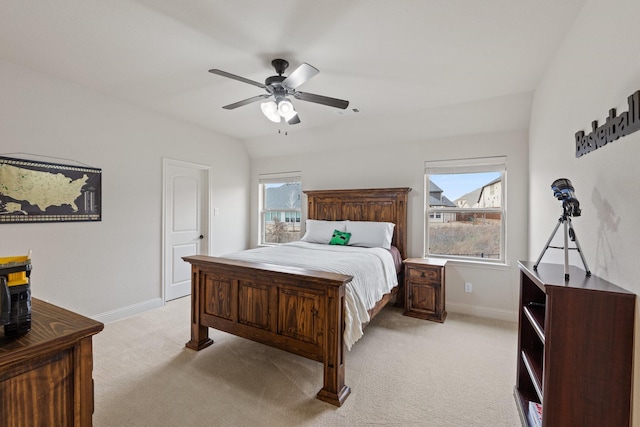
334	390
199	334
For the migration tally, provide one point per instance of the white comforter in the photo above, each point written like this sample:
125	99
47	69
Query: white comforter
372	269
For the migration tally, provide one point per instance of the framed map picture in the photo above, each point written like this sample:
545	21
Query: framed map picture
33	191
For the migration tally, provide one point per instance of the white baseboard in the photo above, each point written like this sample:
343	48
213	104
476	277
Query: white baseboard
490	313
130	310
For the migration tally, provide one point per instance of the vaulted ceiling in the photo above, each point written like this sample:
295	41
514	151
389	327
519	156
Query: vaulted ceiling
414	69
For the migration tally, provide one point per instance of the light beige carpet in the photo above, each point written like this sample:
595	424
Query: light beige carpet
403	372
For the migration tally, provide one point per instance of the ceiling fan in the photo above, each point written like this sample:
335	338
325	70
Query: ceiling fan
280	87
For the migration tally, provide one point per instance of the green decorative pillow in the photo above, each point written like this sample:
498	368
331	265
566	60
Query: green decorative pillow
340	238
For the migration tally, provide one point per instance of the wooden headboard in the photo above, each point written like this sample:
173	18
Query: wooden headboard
373	204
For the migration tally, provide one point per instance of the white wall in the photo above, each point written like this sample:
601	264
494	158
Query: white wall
596	69
495	289
114	266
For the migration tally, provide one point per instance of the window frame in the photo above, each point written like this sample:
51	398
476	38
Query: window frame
466	166
277	178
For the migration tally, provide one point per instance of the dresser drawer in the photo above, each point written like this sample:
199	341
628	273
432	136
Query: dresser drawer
423	274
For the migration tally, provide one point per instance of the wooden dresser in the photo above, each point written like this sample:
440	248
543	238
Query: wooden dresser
45	375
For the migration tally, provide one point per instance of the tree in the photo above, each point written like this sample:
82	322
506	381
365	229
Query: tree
279	230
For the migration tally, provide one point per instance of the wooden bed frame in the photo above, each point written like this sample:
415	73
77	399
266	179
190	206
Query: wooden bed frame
294	309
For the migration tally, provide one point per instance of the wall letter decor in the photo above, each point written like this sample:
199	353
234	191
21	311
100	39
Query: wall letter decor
614	128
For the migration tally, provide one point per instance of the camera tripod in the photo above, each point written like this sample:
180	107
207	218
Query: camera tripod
569	233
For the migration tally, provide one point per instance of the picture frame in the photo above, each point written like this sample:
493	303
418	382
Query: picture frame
36	191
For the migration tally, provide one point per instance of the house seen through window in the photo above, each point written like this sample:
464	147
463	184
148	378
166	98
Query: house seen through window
280	200
465	208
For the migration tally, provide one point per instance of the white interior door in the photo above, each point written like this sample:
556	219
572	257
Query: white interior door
185	223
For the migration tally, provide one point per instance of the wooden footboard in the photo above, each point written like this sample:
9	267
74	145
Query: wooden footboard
297	310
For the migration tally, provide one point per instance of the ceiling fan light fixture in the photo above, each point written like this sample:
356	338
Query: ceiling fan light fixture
270	110
285	108
290	115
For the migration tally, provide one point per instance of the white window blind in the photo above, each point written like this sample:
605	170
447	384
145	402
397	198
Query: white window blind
470	165
276	178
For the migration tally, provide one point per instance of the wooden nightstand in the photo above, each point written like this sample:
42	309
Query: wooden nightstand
424	286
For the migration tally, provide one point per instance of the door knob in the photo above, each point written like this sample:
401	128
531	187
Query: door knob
201	237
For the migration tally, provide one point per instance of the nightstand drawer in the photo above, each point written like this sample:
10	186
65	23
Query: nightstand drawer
424	274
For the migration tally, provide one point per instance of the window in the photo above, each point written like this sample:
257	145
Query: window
279	207
465	208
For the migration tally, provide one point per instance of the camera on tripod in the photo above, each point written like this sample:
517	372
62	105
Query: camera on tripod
564	191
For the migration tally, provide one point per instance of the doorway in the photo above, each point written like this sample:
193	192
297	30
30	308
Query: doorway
185	222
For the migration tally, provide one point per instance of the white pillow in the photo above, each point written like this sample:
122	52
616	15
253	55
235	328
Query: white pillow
321	231
370	234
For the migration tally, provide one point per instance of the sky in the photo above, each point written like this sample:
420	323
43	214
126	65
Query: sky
456	185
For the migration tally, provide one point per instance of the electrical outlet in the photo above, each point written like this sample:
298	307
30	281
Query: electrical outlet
468	287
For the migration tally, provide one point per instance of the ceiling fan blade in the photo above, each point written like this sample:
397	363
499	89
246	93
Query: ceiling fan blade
234	77
294	120
324	100
246	101
300	75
